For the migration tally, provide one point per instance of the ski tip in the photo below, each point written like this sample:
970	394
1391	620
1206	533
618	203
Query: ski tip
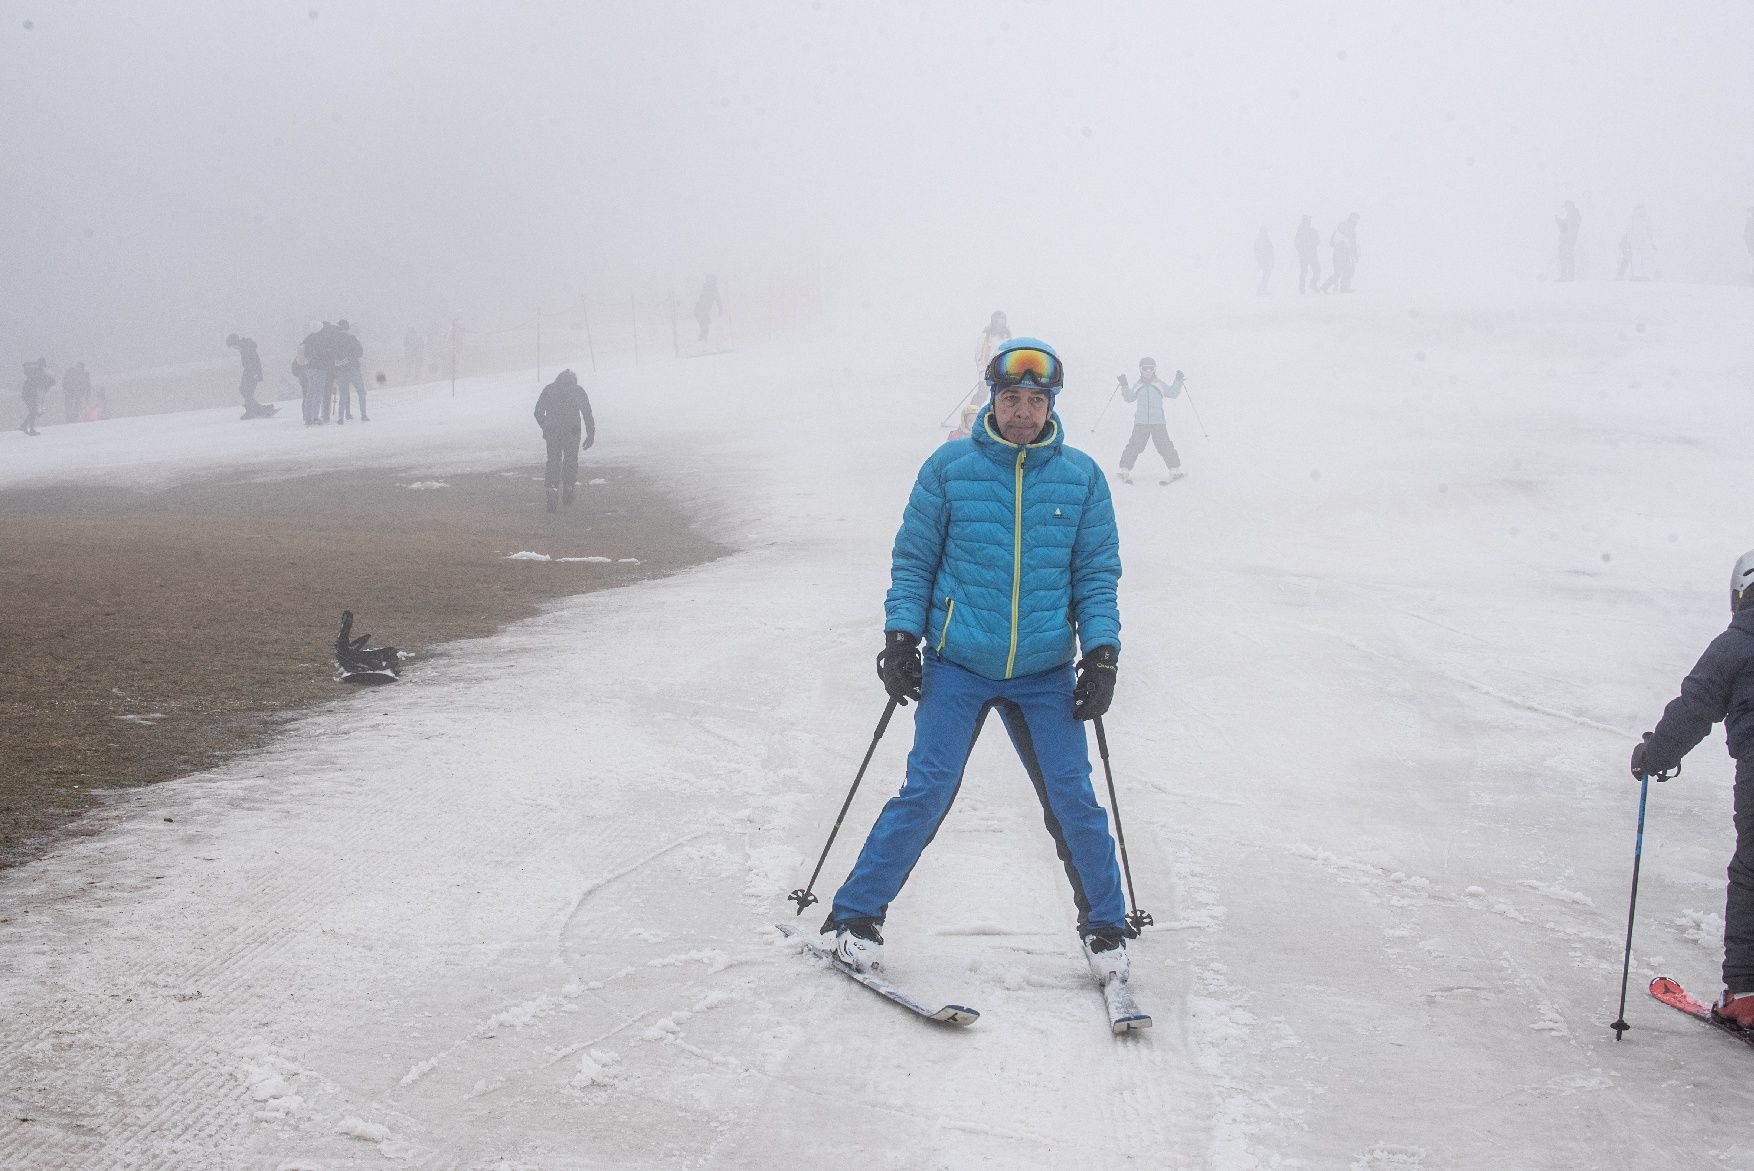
1128	1024
956	1014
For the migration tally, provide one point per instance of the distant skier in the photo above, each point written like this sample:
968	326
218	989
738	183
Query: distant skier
1264	259
996	330
1721	688
563	409
1344	242
1309	260
75	392
1569	221
349	357
1149	422
1638	248
250	376
37	382
706	304
1002	608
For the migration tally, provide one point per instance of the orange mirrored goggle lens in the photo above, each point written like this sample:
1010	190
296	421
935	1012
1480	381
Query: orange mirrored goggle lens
1025	367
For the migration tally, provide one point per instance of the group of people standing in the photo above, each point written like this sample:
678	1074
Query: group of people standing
328	365
1343	243
1638	247
77	402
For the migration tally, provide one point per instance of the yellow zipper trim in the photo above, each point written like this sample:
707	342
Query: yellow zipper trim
948	615
1016	561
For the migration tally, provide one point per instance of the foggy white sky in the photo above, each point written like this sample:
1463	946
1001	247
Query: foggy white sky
176	171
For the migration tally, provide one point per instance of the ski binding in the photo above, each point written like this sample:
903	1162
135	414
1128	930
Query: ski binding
1672	994
950	1014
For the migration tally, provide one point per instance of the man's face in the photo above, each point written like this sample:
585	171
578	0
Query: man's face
1020	412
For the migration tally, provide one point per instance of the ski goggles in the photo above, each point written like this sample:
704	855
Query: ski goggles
1022	367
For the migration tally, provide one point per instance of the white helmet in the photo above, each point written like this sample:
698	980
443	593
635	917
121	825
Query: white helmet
1742	581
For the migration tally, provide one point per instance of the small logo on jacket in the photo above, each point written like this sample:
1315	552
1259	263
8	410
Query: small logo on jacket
1057	512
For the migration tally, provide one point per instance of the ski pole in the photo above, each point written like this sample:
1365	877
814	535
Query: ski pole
966	395
802	896
1620	1026
1103	414
1187	390
1136	919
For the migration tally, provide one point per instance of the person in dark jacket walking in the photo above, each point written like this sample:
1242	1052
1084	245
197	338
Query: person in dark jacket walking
1007	560
37	382
1721	688
563	409
250	376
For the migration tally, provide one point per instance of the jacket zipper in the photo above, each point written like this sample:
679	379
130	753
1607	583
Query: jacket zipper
948	615
1016	560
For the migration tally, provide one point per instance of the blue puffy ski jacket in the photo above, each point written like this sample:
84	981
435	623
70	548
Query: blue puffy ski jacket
1008	556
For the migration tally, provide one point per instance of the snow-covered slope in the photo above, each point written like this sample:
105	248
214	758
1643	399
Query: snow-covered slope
1437	563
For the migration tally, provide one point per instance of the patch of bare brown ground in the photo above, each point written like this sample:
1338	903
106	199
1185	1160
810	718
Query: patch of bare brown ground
147	635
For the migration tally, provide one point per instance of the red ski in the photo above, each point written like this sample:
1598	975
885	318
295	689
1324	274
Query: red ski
1672	994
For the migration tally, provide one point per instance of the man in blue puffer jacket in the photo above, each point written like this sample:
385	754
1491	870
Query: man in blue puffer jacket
1006	561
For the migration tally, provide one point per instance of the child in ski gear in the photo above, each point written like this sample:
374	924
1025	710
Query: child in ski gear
965	423
1006	560
1721	688
1148	419
561	409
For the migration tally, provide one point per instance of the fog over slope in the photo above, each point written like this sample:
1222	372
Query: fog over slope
175	171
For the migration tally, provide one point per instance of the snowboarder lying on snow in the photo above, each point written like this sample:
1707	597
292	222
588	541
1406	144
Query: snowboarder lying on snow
997	603
1721	687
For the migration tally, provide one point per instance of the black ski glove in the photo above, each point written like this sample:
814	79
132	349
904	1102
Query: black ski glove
586	445
1640	767
1095	689
898	665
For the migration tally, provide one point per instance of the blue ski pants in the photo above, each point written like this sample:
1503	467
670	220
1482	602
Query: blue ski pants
1037	713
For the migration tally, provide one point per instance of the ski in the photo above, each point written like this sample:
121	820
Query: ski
950	1014
1672	994
1124	1013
